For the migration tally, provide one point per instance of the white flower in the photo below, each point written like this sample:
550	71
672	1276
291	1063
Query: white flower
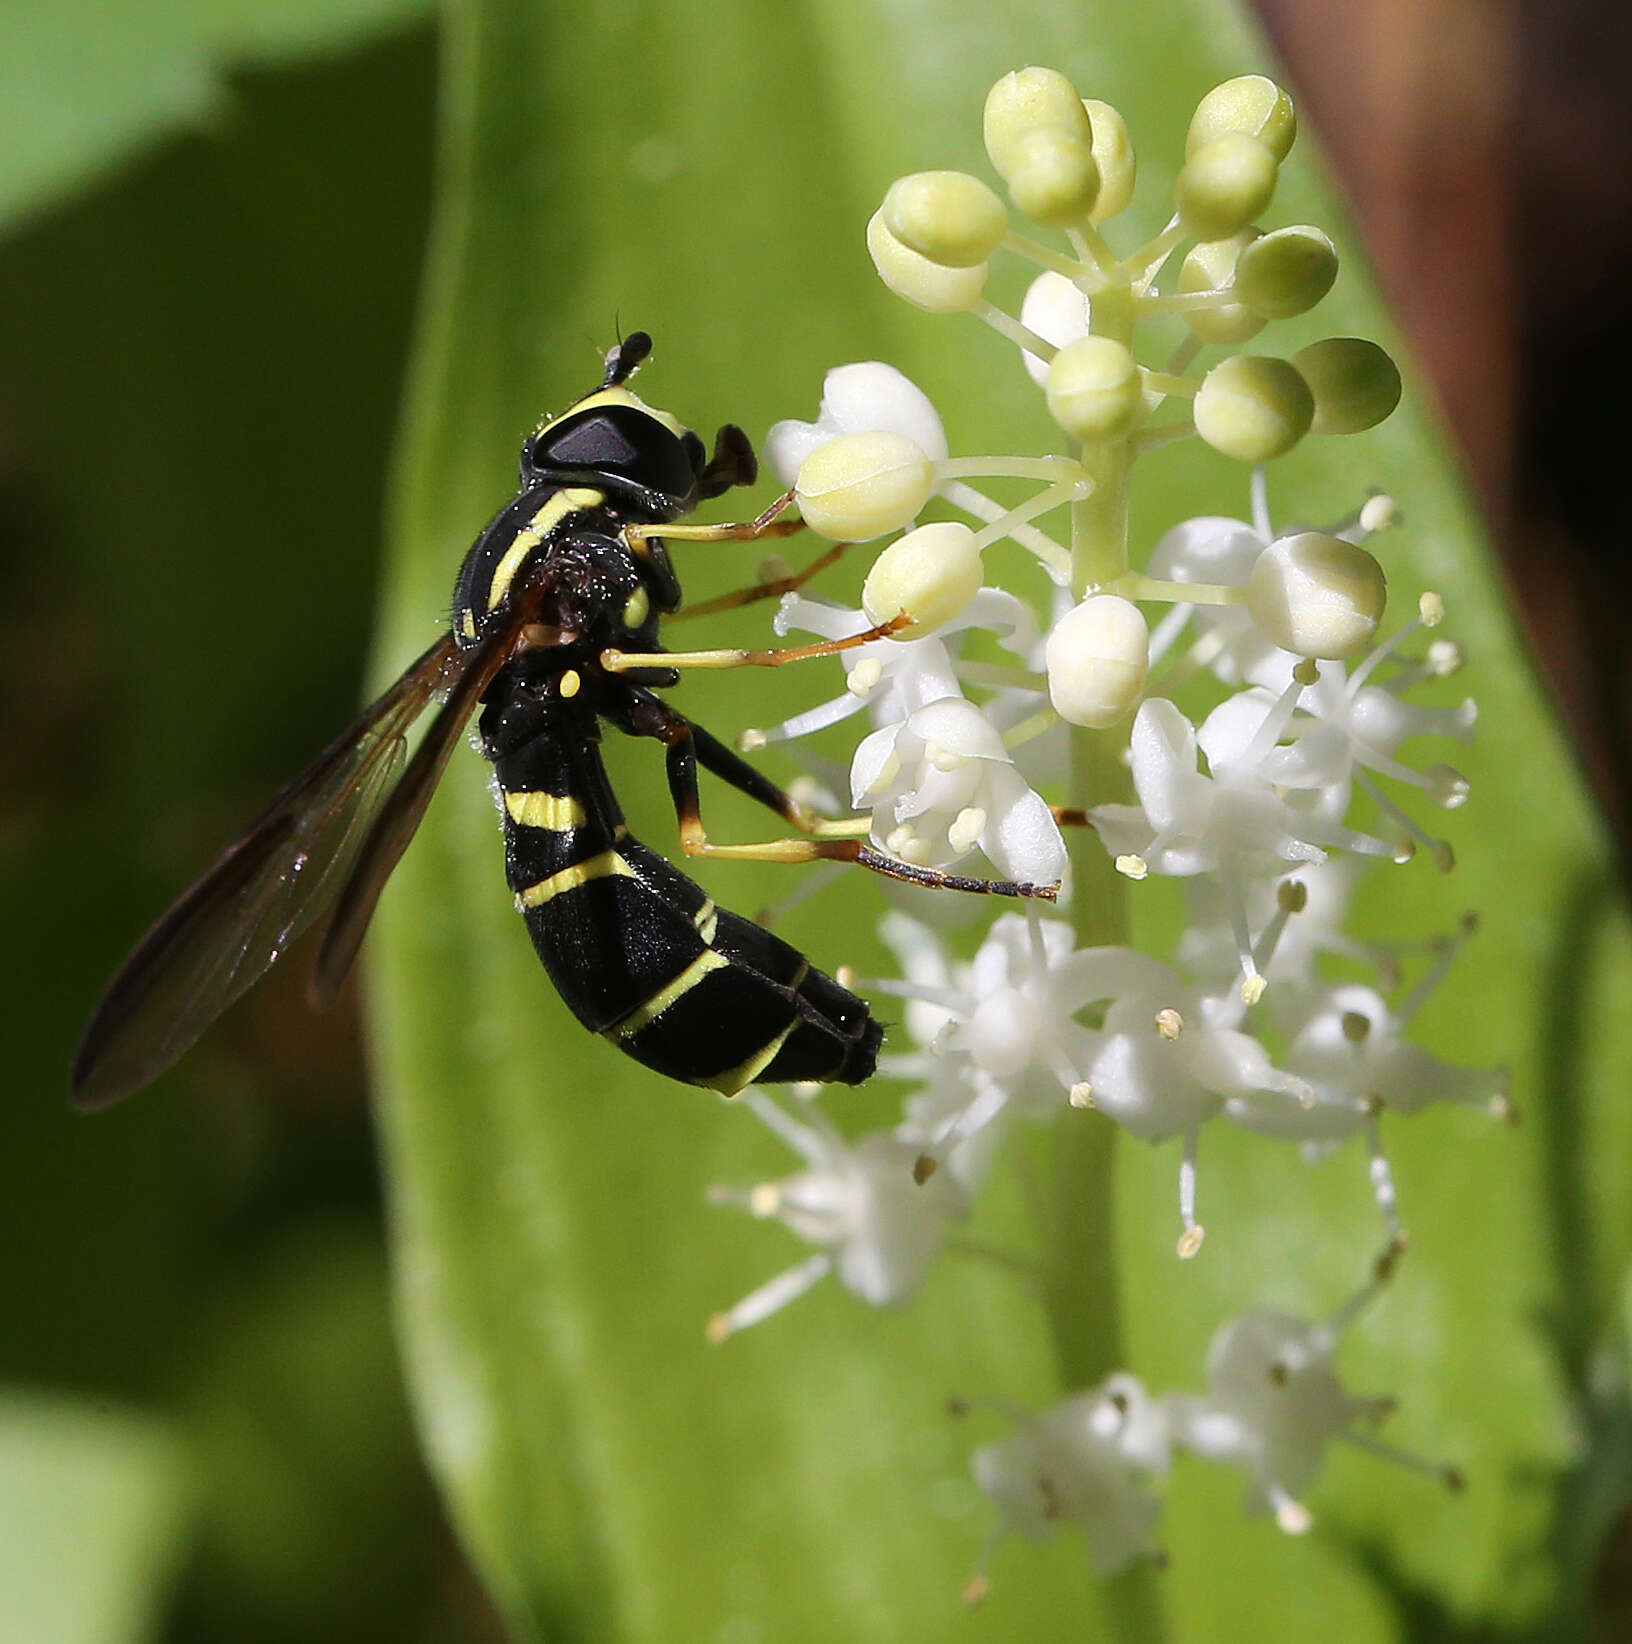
941	782
1351	1050
1168	1061
1229	820
1293	920
1274	1402
1086	1461
865	398
892	677
873	1224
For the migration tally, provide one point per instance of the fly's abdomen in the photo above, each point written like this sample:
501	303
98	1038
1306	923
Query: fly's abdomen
643	957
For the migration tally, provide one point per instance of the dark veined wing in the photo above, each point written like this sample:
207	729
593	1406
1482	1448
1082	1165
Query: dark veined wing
264	891
400	816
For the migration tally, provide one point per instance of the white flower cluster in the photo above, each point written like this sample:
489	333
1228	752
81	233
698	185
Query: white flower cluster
1273	1404
992	712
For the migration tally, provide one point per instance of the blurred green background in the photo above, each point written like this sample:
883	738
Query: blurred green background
215	230
216	218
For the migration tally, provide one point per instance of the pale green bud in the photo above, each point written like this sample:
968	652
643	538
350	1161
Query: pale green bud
1025	101
1113	154
1251	104
1286	271
858	486
1253	407
1094	389
1097	656
912	275
1354	382
930	574
1317	595
1225	185
1211	266
949	217
1053	178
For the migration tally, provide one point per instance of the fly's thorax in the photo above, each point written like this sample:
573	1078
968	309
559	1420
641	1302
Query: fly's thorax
503	559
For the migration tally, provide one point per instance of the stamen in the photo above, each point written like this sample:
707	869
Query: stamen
1190	1240
770	1298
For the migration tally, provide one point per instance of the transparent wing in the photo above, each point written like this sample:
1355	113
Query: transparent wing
261	894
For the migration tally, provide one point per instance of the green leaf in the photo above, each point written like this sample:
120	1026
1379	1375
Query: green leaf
93	1521
703	171
86	83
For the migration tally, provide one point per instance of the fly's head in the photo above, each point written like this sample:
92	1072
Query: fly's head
650	465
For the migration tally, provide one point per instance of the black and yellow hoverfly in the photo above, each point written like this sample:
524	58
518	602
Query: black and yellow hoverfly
554	629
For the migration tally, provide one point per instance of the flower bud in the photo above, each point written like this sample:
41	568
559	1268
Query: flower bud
1224	185
859	486
1024	101
1251	104
951	218
924	284
1113	154
1211	266
1317	595
1354	382
1053	178
1097	657
930	574
1094	389
1253	407
1286	272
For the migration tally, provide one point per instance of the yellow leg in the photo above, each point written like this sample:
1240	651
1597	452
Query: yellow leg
620	662
836	841
768	524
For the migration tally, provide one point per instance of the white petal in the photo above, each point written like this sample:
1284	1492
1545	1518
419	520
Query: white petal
870	766
1058	312
788	443
872	396
1021	835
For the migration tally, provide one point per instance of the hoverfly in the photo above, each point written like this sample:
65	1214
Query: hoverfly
554	629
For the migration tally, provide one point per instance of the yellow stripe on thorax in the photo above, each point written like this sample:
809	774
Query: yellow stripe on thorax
707	920
643	1016
558	812
555	509
607	865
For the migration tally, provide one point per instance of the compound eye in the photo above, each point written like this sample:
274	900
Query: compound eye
596	442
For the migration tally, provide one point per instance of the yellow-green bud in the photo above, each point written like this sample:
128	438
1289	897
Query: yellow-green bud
1224	185
949	217
1252	104
912	275
1024	101
1094	389
1053	178
930	574
1113	154
1286	271
1097	656
1354	382
1211	266
1317	595
1253	407
858	486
